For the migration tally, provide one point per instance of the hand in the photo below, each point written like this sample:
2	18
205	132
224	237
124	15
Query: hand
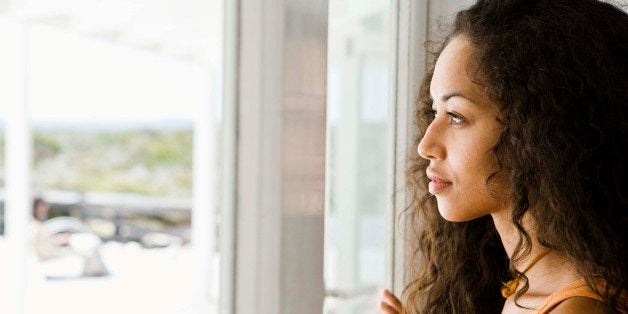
389	303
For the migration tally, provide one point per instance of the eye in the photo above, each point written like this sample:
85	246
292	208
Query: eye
455	119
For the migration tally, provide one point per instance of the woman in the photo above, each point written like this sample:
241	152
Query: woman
520	175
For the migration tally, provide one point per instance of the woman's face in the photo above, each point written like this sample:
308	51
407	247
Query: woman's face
458	142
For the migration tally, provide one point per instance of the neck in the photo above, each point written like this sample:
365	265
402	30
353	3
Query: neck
506	229
549	272
510	236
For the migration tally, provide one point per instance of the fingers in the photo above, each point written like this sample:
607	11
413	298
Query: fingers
391	299
387	309
389	304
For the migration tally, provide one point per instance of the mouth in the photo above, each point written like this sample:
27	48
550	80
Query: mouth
437	184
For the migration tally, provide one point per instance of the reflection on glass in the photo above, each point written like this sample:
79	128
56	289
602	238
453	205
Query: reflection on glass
358	152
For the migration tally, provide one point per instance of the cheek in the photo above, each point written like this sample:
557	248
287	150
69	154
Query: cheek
473	164
469	198
467	202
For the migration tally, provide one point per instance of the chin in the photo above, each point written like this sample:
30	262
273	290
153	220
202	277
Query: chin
459	215
453	218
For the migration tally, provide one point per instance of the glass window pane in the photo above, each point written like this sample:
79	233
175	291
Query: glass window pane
358	154
116	92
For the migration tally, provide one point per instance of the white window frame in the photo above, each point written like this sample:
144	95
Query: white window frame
279	237
14	51
260	50
227	244
410	24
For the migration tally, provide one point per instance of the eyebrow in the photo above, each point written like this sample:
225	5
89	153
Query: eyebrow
446	97
450	95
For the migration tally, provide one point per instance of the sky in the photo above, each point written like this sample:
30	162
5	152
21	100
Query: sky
73	78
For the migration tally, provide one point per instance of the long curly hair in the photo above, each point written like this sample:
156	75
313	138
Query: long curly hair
558	70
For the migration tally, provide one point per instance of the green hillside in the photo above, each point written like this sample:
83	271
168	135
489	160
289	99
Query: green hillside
145	162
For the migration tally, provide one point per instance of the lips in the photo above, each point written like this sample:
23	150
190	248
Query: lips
437	183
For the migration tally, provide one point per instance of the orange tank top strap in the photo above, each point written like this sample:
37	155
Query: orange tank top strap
575	289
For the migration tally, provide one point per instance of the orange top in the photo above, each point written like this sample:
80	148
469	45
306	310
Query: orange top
575	289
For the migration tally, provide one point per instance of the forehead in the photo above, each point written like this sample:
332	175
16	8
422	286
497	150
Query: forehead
451	72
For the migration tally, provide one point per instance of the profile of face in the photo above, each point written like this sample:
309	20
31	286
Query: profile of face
459	140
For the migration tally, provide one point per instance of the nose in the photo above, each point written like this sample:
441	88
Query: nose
430	146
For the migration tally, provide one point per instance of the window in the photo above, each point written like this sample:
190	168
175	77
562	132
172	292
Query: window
123	114
358	155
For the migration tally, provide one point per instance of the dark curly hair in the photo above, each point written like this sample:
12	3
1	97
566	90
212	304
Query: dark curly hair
558	70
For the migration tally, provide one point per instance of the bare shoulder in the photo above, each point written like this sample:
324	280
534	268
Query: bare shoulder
581	305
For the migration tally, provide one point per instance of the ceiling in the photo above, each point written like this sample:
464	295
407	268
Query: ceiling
189	30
